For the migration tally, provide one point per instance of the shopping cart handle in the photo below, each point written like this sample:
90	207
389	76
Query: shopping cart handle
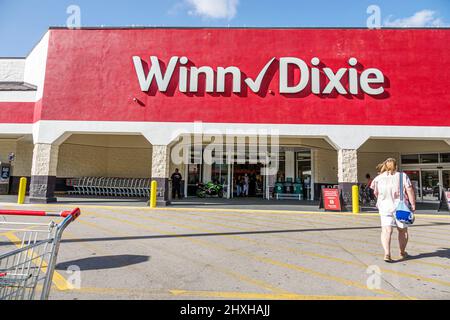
75	213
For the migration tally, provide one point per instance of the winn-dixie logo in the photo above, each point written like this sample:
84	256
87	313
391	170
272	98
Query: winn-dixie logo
344	81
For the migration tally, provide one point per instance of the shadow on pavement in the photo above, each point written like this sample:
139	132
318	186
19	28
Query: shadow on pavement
440	253
104	262
215	234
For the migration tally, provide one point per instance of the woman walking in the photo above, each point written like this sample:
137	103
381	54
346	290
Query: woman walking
386	187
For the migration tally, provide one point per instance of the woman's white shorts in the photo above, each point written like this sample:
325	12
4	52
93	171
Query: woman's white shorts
388	220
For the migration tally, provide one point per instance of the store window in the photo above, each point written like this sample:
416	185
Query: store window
414	176
429	158
194	172
445	157
410	159
219	173
304	172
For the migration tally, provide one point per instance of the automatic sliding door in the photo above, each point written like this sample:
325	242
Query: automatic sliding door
220	174
194	177
414	176
446	180
430	185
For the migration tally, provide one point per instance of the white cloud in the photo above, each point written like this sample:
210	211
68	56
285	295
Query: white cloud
217	9
424	18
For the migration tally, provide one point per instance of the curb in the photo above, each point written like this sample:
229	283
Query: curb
215	210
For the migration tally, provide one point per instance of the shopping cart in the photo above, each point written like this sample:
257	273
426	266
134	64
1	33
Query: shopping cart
26	271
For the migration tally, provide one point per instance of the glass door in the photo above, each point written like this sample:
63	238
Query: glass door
193	178
430	185
414	176
220	175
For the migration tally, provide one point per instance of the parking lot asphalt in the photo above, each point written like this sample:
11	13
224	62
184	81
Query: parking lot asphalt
191	253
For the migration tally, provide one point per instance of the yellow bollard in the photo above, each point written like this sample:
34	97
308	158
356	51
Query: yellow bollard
355	199
153	193
22	191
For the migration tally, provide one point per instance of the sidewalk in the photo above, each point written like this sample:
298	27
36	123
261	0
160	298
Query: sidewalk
215	203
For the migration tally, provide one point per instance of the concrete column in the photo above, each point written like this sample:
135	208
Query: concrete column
347	173
43	173
160	172
207	171
347	166
290	164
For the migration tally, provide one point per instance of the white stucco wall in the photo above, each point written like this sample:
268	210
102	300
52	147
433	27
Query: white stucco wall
12	70
35	65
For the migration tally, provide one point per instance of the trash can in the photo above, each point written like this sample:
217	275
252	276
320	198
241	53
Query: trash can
298	187
288	186
278	188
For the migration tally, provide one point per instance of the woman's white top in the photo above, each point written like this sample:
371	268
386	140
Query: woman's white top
387	187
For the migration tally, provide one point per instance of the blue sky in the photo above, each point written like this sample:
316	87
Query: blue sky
23	22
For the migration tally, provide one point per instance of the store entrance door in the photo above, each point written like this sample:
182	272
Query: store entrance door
430	185
446	180
248	180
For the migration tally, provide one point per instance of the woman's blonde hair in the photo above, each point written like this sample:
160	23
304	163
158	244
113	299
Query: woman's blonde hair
380	168
389	165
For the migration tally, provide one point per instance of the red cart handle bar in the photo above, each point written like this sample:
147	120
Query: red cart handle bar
64	214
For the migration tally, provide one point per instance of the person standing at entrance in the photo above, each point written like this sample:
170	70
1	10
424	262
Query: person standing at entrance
369	180
246	185
238	186
386	187
176	184
367	188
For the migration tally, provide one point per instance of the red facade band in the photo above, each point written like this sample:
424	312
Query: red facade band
328	104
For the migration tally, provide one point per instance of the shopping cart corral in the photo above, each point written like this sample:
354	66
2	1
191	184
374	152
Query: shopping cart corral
109	187
26	269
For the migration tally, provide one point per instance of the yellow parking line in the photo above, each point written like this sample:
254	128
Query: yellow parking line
265	296
219	294
212	218
294	212
259	283
298	220
322	222
350	262
59	281
264	259
325	257
121	291
214	223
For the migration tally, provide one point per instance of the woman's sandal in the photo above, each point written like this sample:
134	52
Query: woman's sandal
404	255
387	258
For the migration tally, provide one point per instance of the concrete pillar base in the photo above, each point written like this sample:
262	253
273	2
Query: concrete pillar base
163	203
163	194
43	173
42	189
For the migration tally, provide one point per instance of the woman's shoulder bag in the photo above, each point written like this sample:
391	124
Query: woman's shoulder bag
403	213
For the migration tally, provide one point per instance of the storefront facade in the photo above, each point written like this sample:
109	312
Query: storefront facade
327	104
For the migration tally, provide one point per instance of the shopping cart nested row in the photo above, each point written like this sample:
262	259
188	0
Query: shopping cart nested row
112	187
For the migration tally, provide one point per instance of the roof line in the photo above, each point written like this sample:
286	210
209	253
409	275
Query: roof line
17	86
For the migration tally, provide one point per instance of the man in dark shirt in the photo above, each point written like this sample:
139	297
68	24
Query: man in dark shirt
176	184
